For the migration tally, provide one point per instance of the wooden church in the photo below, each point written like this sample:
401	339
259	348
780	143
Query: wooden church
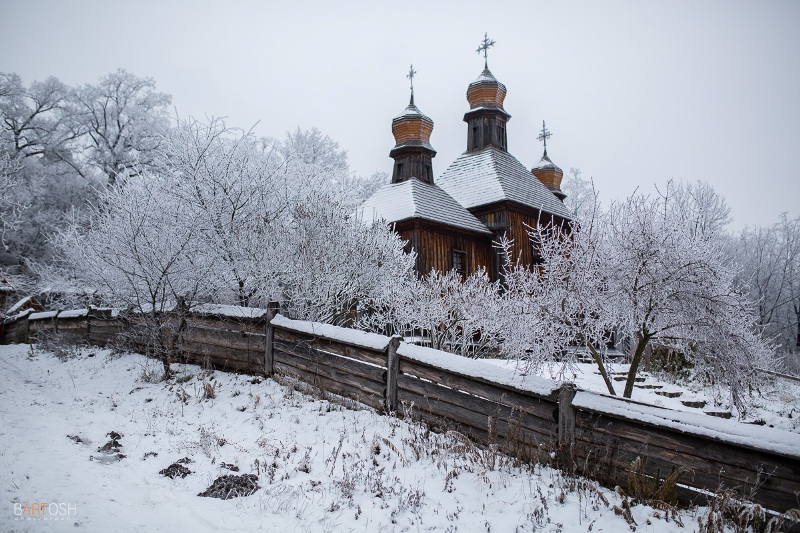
452	222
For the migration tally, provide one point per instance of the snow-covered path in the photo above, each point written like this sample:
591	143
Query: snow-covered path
321	466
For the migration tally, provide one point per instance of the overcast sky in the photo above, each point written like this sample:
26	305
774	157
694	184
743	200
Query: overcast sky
635	93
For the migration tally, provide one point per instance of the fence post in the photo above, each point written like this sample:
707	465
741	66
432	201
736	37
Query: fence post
392	370
566	423
269	358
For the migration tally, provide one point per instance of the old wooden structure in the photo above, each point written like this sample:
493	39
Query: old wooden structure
454	221
600	436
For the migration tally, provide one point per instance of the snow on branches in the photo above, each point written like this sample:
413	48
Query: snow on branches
640	271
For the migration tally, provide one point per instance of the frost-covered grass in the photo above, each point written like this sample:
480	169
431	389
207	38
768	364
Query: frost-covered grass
323	464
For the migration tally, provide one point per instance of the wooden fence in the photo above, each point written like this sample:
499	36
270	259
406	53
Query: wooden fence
531	418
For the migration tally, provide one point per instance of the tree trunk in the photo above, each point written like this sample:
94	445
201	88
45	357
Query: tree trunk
637	360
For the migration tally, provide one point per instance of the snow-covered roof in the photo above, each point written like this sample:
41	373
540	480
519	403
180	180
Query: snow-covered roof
492	175
73	313
545	164
415	199
19	305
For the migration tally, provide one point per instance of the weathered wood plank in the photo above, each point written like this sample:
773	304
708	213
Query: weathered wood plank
474	411
339	348
609	463
538	408
709	472
226	339
367	398
221	352
255	327
686	444
492	391
226	365
367	383
313	356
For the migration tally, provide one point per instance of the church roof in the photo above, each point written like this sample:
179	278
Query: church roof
545	164
415	199
492	175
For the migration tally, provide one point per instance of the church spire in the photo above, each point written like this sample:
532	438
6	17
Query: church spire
484	47
486	118
410	76
546	171
412	152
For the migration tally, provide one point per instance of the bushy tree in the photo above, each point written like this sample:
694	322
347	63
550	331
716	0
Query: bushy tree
640	271
452	314
67	142
120	122
770	259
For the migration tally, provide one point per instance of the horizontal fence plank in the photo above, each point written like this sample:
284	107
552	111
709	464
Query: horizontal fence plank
313	356
330	371
531	403
365	355
224	364
227	339
256	326
608	462
683	444
221	352
475	410
369	398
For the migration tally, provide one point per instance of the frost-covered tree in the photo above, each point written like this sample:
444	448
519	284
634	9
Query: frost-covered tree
142	251
120	121
332	262
770	259
639	271
10	206
452	314
581	194
699	207
232	184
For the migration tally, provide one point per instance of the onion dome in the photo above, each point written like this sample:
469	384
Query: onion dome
412	128
412	152
550	175
486	92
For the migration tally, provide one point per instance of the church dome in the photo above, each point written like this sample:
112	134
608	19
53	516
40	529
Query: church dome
486	92
412	128
549	174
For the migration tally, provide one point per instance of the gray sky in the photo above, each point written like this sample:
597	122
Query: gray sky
635	93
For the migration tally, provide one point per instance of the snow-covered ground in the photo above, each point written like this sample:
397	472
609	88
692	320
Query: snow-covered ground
775	403
322	464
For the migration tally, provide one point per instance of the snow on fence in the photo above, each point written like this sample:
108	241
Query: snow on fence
531	418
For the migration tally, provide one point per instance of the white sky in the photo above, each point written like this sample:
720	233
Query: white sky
635	93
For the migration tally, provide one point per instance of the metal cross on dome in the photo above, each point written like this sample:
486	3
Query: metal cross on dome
544	136
484	47
410	76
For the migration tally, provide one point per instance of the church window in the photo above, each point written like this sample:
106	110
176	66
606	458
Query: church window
475	136
460	262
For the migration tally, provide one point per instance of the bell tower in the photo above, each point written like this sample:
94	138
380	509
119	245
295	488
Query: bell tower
486	119
412	152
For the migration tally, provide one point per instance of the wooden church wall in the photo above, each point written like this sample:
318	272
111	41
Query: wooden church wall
516	221
434	245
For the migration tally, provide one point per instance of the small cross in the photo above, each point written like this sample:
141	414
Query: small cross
484	47
410	76
544	136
